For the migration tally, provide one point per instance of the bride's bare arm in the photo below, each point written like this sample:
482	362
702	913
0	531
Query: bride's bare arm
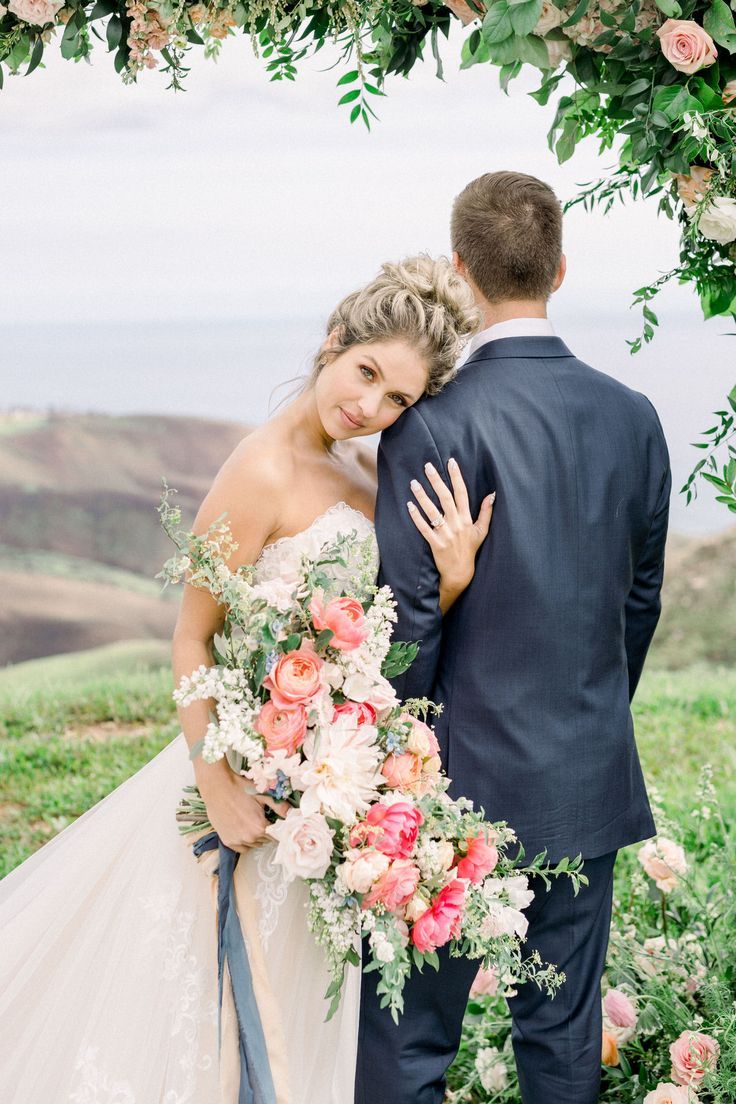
450	530
247	489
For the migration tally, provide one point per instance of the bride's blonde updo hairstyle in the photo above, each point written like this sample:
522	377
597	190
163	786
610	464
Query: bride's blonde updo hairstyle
420	300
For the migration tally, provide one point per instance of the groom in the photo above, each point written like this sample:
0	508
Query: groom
537	661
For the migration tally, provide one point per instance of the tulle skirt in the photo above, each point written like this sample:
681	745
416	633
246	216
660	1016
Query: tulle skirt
108	965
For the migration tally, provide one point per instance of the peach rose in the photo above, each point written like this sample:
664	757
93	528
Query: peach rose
686	45
443	919
422	740
392	829
664	862
729	92
550	17
361	711
344	616
295	678
396	887
480	859
557	51
485	984
282	728
361	869
464	12
36	12
415	908
693	1055
692	188
402	771
667	1093
609	1049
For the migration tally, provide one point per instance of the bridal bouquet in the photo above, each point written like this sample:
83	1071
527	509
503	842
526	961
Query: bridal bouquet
304	710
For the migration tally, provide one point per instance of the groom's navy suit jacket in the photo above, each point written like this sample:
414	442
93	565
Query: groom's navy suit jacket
537	661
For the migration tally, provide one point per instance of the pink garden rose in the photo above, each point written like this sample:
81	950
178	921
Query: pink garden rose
362	712
361	869
282	728
667	1093
344	616
664	862
443	919
391	829
422	740
693	1055
485	984
295	678
686	45
480	859
395	887
402	771
36	12
729	92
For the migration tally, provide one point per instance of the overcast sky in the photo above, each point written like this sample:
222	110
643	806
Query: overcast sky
244	199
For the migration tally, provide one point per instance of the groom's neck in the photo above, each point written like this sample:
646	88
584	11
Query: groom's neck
511	308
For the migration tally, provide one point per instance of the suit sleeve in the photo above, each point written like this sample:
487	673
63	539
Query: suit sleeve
643	606
407	564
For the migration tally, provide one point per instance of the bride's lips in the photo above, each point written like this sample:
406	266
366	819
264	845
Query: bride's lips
352	423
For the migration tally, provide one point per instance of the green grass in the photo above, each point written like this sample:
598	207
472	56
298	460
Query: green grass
74	727
56	564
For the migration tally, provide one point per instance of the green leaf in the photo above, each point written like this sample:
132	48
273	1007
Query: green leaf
349	77
732	399
355	113
546	89
102	8
674	101
497	26
578	14
114	32
70	40
635	90
324	638
533	49
349	97
524	18
670	8
35	56
292	642
719	23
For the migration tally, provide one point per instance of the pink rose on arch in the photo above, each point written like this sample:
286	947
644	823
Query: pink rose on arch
344	616
485	984
395	887
443	919
391	829
686	45
664	862
693	1055
295	678
282	728
480	859
362	712
667	1093
402	771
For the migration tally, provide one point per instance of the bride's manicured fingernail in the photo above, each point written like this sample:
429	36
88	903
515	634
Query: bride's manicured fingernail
429	468
415	485
410	505
492	497
452	462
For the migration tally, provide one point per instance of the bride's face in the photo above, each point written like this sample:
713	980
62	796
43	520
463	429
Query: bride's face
365	389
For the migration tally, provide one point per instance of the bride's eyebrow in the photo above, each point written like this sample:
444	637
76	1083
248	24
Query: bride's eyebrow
379	369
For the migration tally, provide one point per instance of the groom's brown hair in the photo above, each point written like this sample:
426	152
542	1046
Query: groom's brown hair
507	228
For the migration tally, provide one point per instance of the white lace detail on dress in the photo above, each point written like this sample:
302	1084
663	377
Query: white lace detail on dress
271	892
96	1087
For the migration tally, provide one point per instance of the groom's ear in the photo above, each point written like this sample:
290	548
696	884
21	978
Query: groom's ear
561	272
459	265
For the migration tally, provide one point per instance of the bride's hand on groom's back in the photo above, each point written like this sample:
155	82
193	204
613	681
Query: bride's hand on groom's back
452	534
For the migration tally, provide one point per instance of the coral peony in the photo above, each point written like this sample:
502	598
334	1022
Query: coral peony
443	919
344	617
481	859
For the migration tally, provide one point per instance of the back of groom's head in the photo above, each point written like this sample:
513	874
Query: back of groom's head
506	228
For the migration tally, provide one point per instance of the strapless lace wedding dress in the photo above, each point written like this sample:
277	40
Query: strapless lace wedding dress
108	960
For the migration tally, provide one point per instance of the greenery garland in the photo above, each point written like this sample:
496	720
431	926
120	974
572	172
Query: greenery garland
660	73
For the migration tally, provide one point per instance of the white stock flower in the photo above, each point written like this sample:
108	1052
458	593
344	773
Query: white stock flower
304	844
276	592
491	1069
341	771
263	771
717	220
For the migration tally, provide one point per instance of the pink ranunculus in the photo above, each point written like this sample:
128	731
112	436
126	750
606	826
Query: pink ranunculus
619	1009
295	678
480	859
282	728
485	984
392	829
422	740
686	45
395	887
693	1055
664	862
443	919
402	771
667	1093
344	616
361	711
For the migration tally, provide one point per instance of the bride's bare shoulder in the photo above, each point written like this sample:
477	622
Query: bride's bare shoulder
366	458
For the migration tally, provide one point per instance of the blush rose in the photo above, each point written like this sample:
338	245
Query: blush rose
686	45
402	771
693	1055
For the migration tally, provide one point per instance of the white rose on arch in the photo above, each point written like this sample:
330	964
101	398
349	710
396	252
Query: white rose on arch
36	12
717	220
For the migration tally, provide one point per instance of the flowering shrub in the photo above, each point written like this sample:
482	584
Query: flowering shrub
670	981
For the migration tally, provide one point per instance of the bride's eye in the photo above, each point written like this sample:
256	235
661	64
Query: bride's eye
399	400
367	372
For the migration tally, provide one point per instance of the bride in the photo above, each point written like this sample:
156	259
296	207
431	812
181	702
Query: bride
108	974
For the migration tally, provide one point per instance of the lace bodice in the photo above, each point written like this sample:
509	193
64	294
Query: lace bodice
281	560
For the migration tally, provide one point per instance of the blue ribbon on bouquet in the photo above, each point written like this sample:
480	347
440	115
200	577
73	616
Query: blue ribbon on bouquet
256	1082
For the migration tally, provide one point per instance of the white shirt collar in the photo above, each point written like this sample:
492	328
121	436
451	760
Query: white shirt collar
513	327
